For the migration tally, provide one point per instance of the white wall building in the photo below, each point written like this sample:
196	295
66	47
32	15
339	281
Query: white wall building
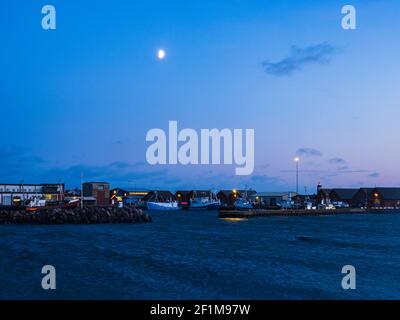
15	194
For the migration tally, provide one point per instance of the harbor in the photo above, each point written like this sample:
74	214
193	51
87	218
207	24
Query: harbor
97	202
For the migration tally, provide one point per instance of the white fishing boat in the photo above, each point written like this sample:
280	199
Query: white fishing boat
204	204
163	206
209	202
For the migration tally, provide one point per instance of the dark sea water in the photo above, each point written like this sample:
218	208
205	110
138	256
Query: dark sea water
198	256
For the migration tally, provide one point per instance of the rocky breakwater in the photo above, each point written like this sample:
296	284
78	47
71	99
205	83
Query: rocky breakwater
86	215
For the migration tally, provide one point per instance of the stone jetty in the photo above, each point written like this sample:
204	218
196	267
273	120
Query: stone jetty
86	215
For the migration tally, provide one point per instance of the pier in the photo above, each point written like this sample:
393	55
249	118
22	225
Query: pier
244	214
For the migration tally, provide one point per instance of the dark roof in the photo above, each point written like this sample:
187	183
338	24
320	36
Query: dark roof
159	194
367	191
249	192
305	196
198	193
325	191
183	192
129	190
389	193
345	194
227	193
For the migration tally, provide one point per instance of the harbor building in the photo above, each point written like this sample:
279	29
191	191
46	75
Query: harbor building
273	199
362	197
385	198
228	197
130	197
343	195
100	191
377	197
20	194
336	195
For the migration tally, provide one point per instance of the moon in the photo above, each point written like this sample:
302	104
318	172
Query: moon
161	54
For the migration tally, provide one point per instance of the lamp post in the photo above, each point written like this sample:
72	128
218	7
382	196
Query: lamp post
81	190
297	160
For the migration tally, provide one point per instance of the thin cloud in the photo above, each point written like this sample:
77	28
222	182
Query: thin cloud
16	154
309	152
299	57
335	172
338	161
117	173
373	175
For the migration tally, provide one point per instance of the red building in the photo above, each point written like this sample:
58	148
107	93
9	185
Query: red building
98	190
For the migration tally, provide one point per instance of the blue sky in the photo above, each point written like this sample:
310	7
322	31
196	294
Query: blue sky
82	97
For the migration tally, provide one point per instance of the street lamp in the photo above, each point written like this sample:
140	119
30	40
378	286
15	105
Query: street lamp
81	190
297	160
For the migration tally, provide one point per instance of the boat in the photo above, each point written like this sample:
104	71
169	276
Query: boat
40	204
204	203
242	204
163	206
166	205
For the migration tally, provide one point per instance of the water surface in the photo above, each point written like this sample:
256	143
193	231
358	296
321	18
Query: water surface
198	256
